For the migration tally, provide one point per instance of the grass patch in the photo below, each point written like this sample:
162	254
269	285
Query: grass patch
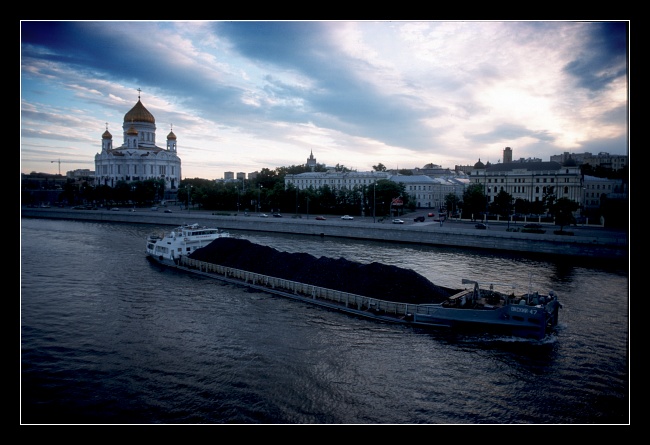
533	231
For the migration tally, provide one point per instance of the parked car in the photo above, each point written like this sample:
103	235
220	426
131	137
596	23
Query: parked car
398	221
321	218
419	219
347	217
481	226
115	209
532	226
264	215
277	215
430	214
168	211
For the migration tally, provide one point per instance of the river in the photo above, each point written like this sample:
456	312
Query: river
109	338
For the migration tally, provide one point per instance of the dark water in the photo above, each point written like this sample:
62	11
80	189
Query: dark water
108	338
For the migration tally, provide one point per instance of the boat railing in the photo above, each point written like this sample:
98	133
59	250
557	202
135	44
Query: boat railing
349	300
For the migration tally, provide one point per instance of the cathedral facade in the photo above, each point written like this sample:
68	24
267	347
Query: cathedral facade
138	158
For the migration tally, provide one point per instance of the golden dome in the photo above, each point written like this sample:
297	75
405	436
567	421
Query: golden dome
132	130
139	114
107	135
171	135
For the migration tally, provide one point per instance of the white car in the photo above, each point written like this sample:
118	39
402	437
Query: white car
347	217
398	221
264	215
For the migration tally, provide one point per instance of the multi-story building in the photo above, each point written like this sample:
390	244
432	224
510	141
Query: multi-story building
530	180
81	173
428	192
602	159
423	189
336	180
138	158
523	179
311	161
595	189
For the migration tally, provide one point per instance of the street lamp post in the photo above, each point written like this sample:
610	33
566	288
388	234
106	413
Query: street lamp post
584	205
487	204
374	200
189	189
509	214
259	197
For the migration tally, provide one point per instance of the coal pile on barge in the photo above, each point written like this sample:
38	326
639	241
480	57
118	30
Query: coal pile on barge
374	280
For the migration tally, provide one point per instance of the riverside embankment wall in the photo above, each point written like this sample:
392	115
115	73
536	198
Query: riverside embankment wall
605	246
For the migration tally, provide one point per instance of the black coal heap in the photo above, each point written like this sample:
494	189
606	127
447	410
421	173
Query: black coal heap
374	280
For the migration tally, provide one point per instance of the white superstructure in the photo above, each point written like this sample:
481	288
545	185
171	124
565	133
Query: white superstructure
169	247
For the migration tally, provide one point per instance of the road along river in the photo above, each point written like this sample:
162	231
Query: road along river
598	244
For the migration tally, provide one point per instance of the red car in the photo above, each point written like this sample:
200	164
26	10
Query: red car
321	218
430	214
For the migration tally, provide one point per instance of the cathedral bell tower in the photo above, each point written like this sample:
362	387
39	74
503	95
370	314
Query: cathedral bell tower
171	141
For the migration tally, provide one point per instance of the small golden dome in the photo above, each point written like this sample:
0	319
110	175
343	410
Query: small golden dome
107	135
132	131
171	135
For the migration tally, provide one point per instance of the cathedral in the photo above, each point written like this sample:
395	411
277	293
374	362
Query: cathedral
138	158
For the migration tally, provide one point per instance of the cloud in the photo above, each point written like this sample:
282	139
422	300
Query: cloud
249	94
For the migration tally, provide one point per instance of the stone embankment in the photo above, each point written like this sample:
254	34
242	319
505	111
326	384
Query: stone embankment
603	245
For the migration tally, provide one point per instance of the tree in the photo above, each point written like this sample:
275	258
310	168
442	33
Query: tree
521	206
452	202
387	191
384	193
474	200
379	167
341	168
549	198
615	211
563	210
503	204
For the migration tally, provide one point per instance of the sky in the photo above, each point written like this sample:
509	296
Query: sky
241	96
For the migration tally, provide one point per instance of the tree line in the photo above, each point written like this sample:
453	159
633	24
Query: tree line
267	193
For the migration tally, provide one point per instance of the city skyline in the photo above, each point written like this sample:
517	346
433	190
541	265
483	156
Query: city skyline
242	96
